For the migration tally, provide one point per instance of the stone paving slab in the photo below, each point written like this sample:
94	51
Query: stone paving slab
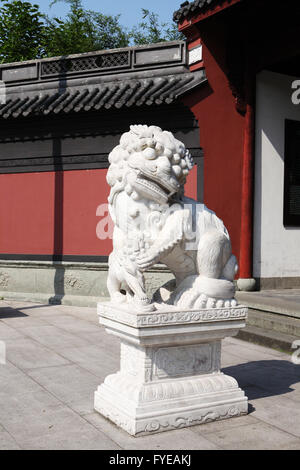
181	439
27	353
57	355
7	442
257	436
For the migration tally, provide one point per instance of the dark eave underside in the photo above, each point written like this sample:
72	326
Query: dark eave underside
114	94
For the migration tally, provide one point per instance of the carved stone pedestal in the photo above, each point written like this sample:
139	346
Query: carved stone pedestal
170	368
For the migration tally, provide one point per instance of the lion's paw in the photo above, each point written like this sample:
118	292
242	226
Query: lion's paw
198	292
202	301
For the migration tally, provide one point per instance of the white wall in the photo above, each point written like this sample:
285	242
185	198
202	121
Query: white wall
276	248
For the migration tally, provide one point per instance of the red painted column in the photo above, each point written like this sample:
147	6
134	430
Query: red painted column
246	241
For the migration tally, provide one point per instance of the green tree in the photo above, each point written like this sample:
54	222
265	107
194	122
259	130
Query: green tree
83	31
25	33
87	30
109	34
21	31
150	30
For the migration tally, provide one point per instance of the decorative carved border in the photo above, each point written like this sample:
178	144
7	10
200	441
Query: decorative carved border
121	314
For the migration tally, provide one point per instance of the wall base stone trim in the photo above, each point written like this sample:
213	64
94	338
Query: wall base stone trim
69	283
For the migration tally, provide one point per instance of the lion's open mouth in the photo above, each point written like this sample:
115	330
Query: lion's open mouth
164	181
152	189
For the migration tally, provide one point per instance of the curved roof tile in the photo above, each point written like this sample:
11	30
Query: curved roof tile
114	94
188	8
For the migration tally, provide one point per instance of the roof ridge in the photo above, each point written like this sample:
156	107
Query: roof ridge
188	8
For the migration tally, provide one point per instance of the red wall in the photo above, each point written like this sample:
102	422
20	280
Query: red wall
46	213
221	137
191	184
57	213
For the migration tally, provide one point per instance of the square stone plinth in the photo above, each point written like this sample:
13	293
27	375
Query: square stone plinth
170	368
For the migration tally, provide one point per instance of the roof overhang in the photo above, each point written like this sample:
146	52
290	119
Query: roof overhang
191	13
135	76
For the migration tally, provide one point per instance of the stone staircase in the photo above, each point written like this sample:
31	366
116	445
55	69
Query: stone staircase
273	318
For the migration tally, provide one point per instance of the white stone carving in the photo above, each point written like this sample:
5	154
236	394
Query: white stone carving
155	222
170	372
185	360
170	345
168	314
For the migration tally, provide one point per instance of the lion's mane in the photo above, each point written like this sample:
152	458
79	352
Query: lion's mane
139	146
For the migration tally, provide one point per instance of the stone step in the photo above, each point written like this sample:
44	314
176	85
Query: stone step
274	321
265	337
284	302
273	317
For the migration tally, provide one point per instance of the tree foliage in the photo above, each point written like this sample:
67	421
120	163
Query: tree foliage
25	33
150	30
83	31
21	31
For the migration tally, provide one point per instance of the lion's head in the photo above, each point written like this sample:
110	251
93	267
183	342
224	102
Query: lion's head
148	162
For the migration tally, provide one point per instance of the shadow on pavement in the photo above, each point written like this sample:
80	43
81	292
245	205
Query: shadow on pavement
9	312
29	307
266	378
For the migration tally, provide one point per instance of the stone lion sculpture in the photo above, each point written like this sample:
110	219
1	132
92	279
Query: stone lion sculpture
154	222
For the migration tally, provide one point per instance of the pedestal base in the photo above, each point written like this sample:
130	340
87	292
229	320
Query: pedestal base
224	400
170	369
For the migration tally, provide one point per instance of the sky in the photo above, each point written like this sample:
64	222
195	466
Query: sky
130	10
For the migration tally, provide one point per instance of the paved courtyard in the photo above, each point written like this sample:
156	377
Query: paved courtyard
56	356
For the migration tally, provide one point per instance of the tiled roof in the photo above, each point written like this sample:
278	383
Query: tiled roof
188	8
109	94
